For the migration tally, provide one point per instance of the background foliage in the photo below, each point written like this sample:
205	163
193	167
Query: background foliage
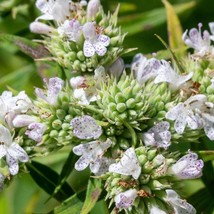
142	19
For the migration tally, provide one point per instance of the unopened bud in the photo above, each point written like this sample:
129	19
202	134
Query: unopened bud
93	8
40	28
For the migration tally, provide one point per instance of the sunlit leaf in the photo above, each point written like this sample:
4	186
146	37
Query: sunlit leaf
93	192
71	205
174	27
47	179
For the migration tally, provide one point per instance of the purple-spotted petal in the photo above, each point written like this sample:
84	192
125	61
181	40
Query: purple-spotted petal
125	199
86	127
18	152
188	167
91	154
35	131
100	166
105	40
88	49
82	163
13	164
180	123
100	48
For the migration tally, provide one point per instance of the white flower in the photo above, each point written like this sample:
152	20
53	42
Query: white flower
85	95
158	135
101	165
94	43
86	127
188	167
156	210
91	154
128	165
57	10
11	150
11	106
99	76
78	82
125	199
71	29
93	8
201	44
23	120
167	74
211	25
180	206
35	131
54	86
40	28
116	69
145	69
184	113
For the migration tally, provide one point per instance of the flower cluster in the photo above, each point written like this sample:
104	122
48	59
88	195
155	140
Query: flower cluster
82	37
121	121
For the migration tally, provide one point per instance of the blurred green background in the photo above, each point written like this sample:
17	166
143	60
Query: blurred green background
141	18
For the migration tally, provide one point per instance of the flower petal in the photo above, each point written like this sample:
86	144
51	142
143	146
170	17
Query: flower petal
17	152
125	199
100	48
85	127
105	40
13	164
36	131
82	163
128	165
88	49
3	151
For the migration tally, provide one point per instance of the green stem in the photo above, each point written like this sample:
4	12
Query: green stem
133	133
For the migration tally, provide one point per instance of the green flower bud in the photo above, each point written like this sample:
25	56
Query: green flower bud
121	107
54	134
60	113
57	124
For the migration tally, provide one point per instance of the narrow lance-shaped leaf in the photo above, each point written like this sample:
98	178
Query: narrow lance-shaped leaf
174	28
202	200
93	192
71	205
174	57
47	179
30	48
66	170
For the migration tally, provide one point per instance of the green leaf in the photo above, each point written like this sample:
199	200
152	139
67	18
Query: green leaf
47	179
175	31
18	77
202	200
207	155
30	48
208	176
93	192
71	205
66	170
135	23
